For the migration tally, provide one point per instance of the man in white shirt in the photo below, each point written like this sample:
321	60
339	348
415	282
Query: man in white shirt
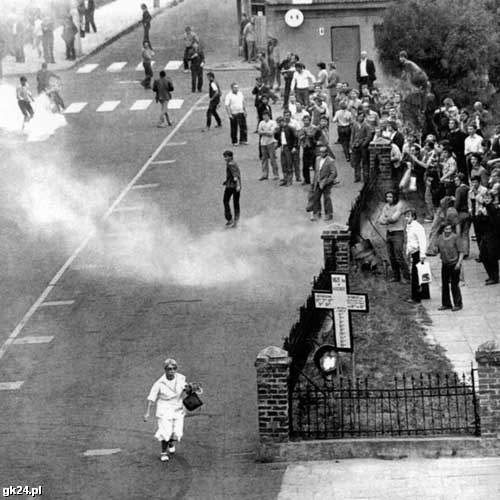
267	129
298	116
301	81
416	243
237	113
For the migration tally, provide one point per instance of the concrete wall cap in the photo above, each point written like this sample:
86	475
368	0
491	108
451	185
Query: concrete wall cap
273	354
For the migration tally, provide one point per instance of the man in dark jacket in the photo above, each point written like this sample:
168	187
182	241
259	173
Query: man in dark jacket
361	136
214	95
365	71
287	139
325	175
232	190
197	61
89	16
163	88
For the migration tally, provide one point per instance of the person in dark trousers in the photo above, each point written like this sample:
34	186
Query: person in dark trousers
287	68
190	37
490	240
24	99
307	140
365	71
68	35
147	60
288	142
232	190
197	61
163	88
392	217
451	261
48	40
146	22
237	113
89	16
361	136
214	95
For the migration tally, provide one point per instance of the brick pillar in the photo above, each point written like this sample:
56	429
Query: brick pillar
488	370
336	248
380	160
272	366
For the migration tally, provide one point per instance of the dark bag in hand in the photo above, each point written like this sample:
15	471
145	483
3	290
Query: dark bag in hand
192	401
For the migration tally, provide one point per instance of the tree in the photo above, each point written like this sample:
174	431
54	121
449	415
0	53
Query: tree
454	41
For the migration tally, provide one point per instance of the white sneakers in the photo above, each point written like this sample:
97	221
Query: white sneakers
171	448
164	457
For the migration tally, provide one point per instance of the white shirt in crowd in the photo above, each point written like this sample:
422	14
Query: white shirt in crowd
299	117
473	144
302	80
321	163
416	240
235	102
268	127
362	68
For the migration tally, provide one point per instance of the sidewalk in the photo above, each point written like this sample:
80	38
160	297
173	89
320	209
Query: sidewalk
112	21
460	333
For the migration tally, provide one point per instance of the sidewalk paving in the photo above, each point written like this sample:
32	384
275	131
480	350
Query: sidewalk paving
112	20
419	479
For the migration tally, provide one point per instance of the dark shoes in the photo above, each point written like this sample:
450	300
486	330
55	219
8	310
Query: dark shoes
456	308
263	178
444	308
328	217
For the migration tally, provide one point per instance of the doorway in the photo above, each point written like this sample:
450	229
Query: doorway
345	52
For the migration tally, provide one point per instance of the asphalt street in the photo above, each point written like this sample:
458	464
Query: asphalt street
90	325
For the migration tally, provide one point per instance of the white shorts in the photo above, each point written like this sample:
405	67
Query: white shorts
169	428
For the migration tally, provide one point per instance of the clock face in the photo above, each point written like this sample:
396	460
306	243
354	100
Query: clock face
294	18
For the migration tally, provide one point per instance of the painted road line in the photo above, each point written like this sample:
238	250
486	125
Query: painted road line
177	143
140	67
11	386
87	68
53	282
101	452
128	209
55	303
74	107
116	66
175	103
173	65
163	162
146	186
33	340
200	109
141	104
107	106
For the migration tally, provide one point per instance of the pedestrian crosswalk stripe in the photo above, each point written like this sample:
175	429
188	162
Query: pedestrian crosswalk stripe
107	106
128	209
141	104
116	66
11	386
140	67
175	103
145	186
51	303
75	107
101	452
172	65
33	340
87	68
163	162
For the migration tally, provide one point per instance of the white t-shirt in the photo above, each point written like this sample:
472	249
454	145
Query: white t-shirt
235	102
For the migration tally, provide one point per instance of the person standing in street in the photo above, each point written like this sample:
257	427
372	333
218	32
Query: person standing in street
266	129
449	247
243	46
416	244
361	136
302	80
89	16
68	35
392	217
197	61
168	393
214	95
325	175
232	190
190	37
288	141
365	71
163	88
237	113
24	99
147	61
308	143
48	40
146	23
249	36
331	85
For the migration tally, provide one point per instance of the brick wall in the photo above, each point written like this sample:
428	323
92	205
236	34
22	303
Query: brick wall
272	366
488	370
336	249
380	161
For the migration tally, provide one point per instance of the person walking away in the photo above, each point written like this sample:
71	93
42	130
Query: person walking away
451	262
68	35
236	111
24	100
89	16
344	120
214	95
325	176
163	88
146	23
287	140
365	71
250	37
392	217
302	80
197	61
147	61
306	139
168	393
267	143
416	244
48	40
232	190
190	37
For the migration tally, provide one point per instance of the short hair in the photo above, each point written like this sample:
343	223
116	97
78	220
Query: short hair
393	124
143	6
475	178
461	176
162	74
471	125
44	65
321	65
279	119
228	153
266	112
210	73
23	79
404	54
170	362
187	28
477	156
413	214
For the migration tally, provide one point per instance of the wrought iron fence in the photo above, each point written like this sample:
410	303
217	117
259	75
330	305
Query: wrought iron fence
414	406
